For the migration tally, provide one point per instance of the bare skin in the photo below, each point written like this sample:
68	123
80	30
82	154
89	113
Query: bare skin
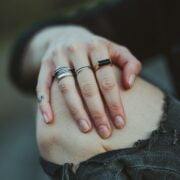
62	142
76	47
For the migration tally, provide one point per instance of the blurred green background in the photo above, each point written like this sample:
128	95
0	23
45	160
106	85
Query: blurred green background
18	150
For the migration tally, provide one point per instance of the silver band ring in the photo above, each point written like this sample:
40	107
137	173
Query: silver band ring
63	69
102	63
81	68
62	72
61	76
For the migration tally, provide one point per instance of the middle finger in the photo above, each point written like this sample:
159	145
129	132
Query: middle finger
90	92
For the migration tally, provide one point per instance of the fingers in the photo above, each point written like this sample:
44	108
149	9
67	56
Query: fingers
108	86
90	93
130	71
43	86
131	66
72	98
82	54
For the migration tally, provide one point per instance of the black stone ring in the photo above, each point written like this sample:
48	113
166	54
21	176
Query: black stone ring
102	63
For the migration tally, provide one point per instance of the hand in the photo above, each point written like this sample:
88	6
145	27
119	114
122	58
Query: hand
78	48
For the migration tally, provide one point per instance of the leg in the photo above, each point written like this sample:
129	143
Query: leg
62	141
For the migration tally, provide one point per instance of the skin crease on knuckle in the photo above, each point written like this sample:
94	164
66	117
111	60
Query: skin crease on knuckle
88	89
72	47
64	87
75	111
98	117
115	107
107	84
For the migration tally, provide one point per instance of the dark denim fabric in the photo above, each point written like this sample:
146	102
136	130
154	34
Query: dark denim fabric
157	158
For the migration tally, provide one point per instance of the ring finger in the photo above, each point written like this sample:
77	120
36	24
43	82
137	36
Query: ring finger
71	96
90	92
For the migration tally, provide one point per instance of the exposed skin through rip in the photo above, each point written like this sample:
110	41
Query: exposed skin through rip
62	142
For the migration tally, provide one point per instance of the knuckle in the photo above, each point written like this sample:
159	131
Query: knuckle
107	84
114	107
64	87
71	48
74	111
88	89
98	116
93	45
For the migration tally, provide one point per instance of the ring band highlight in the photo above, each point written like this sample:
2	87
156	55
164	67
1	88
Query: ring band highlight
82	68
63	72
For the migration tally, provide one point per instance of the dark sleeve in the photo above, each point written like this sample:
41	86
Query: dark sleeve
145	27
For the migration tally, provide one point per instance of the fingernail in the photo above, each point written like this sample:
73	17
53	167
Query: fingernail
84	126
119	122
46	119
104	131
131	79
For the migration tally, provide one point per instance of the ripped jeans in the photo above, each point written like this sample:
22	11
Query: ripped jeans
156	158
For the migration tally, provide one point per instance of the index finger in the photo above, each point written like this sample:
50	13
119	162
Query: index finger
130	65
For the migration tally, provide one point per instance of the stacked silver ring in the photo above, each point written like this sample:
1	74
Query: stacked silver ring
62	72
